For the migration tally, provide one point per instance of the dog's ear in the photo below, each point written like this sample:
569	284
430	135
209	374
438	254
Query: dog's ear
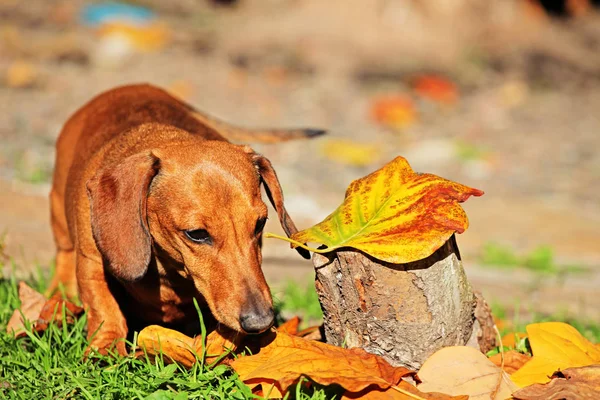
275	194
118	215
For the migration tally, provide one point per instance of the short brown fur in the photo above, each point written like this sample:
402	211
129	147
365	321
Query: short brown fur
135	169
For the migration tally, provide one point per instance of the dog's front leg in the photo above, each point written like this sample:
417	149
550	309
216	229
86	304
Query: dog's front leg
107	327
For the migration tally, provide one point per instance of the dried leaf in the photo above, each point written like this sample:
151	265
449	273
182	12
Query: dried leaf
39	311
393	214
290	326
393	394
555	346
288	358
513	360
32	303
462	370
571	383
181	348
394	111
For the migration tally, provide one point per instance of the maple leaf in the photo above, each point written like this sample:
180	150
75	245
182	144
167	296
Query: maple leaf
555	346
287	358
393	214
571	383
464	370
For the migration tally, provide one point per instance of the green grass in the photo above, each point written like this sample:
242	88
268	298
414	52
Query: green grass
299	299
540	260
51	365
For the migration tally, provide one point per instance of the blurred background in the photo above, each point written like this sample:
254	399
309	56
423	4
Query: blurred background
499	95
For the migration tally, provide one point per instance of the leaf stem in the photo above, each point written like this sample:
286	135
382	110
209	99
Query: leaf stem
296	243
407	393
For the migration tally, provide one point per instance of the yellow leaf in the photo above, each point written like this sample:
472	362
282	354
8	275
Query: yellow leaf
393	214
350	153
464	370
571	383
555	346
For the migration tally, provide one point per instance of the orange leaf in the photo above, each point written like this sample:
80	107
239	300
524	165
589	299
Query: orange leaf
39	311
513	360
570	383
436	88
394	111
393	394
32	303
181	348
290	326
287	358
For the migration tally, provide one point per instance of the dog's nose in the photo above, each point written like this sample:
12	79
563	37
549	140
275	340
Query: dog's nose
257	321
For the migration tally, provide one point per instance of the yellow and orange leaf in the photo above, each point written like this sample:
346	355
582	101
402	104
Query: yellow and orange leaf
288	358
393	214
555	346
409	392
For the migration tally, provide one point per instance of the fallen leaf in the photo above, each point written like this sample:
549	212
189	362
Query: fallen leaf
513	360
290	326
350	153
461	370
511	339
39	311
392	394
311	333
181	348
555	346
393	214
32	303
571	383
288	358
397	111
436	88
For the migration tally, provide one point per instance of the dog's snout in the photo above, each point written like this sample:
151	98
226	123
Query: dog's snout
257	321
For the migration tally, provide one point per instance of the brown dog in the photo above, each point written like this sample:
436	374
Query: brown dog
151	207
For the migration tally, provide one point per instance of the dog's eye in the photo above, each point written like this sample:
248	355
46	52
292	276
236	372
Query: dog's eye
260	225
199	236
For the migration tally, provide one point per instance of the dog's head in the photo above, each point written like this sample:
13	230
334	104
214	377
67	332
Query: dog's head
199	205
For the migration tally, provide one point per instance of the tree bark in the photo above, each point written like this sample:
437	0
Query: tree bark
403	312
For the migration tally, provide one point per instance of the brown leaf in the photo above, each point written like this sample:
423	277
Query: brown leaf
571	383
290	326
287	358
461	370
32	303
39	311
394	393
182	348
513	360
311	333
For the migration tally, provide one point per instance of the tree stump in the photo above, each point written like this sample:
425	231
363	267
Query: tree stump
403	312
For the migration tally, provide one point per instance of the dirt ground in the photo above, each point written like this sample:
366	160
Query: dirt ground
524	128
